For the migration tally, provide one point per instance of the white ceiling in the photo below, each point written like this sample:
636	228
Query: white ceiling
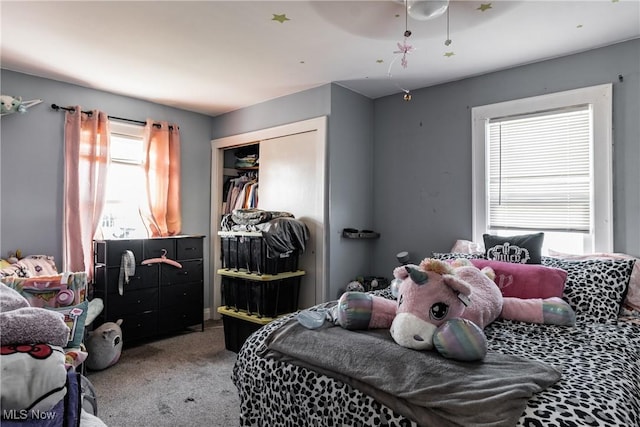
217	56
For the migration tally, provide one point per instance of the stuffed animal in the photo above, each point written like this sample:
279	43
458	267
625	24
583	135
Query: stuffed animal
14	256
9	104
445	306
104	345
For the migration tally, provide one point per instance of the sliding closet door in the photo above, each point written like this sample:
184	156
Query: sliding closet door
292	180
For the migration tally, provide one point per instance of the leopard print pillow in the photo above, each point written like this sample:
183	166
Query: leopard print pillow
594	288
449	256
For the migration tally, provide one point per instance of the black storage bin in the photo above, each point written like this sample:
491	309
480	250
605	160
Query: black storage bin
268	296
238	326
248	252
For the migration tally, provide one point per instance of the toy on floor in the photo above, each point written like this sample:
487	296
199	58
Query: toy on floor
445	306
104	345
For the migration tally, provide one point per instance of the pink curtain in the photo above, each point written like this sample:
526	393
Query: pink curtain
86	138
162	168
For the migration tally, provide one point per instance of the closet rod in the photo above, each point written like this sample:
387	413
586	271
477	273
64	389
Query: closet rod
71	109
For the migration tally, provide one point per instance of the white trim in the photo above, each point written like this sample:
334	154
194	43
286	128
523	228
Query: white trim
600	98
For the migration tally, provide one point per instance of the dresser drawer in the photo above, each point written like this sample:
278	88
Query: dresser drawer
132	302
188	295
110	252
139	325
157	292
191	271
155	248
146	276
189	248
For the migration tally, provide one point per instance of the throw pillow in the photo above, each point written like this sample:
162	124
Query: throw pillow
523	249
525	280
39	265
450	256
632	301
33	377
467	247
75	318
62	290
594	288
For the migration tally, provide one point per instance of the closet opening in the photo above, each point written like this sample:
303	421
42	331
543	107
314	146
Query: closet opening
290	175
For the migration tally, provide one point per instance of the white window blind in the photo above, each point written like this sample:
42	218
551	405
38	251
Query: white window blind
540	171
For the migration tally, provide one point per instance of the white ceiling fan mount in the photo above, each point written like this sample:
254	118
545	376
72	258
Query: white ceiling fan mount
423	10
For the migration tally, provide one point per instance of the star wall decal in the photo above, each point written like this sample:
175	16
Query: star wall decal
449	54
484	7
379	61
280	18
579	26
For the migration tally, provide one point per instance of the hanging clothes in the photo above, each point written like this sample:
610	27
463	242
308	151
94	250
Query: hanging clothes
234	191
243	199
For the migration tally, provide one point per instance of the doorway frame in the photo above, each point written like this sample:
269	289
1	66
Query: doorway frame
218	146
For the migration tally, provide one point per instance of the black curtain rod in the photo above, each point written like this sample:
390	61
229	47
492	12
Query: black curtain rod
71	109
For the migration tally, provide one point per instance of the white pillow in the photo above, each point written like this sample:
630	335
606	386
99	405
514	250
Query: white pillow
34	377
467	247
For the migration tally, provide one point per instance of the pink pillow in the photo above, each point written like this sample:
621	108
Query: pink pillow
526	280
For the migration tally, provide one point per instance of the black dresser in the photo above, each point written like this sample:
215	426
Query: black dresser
160	297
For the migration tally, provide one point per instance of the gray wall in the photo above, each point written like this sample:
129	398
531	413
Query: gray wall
349	166
303	105
32	154
400	168
422	150
350	186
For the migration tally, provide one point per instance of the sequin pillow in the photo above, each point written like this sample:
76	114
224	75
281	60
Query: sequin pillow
522	249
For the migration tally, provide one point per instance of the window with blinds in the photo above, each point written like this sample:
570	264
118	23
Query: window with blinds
544	163
540	171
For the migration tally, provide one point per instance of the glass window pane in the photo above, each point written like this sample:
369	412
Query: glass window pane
540	171
126	188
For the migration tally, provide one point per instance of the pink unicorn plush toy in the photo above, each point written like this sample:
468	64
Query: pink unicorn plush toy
445	306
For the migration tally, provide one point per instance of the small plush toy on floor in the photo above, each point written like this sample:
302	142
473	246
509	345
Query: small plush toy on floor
445	306
104	345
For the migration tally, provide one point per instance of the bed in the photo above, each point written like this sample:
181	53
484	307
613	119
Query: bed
598	360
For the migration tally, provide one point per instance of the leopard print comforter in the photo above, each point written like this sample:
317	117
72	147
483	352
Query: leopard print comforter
600	384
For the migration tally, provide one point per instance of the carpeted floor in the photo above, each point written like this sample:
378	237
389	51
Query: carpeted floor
184	380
